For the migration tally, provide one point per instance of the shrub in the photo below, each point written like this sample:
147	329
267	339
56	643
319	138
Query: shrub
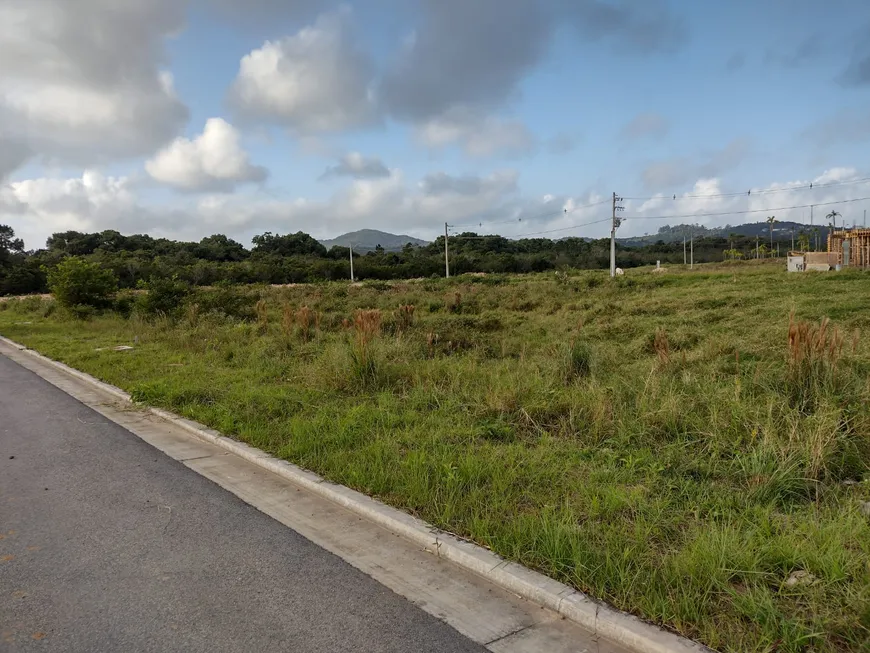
162	296
123	304
232	301
75	282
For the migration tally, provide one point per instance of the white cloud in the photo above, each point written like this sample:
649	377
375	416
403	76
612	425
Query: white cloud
695	206
354	164
315	81
485	204
81	82
478	135
213	160
36	208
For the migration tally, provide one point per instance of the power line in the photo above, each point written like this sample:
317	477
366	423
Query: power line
744	212
750	193
534	233
550	214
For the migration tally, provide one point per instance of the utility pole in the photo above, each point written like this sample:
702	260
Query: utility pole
757	251
692	252
614	226
792	239
865	218
446	254
685	261
351	262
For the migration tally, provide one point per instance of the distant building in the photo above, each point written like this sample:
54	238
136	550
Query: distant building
846	248
851	247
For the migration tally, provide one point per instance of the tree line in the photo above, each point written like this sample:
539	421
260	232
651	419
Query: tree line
299	258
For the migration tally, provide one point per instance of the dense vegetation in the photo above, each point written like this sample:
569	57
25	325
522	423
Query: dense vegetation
692	447
295	258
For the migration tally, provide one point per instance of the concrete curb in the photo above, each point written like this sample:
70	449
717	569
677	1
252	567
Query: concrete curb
619	627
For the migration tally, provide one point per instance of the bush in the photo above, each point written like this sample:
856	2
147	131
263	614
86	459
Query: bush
77	283
124	303
236	302
162	296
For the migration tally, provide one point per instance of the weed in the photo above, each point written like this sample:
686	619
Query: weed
288	319
404	317
262	309
813	355
192	315
305	318
454	302
576	361
367	325
661	346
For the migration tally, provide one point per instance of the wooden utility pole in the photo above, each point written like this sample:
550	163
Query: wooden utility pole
685	260
446	254
351	262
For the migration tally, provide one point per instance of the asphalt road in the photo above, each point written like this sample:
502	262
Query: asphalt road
108	545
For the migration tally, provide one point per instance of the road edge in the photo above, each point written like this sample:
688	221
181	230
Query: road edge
619	627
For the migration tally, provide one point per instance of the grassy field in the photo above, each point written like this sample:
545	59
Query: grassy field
666	442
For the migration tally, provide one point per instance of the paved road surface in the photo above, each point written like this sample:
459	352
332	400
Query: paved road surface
108	545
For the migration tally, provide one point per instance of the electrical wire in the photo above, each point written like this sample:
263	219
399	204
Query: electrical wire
744	212
551	214
534	233
750	193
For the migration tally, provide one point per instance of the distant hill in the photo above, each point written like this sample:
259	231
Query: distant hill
669	234
368	239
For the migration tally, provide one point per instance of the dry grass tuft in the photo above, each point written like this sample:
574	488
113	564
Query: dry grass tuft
813	344
192	314
367	326
454	302
287	321
262	315
814	354
661	346
305	319
404	317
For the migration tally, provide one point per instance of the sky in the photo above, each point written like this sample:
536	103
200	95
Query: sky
184	118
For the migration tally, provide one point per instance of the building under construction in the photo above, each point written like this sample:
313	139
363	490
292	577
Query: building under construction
846	248
851	246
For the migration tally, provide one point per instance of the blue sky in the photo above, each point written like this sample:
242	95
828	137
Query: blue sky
225	116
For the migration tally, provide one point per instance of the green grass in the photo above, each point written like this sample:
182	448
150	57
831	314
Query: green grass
547	419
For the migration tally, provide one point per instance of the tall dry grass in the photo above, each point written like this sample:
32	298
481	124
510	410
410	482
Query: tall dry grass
366	327
813	356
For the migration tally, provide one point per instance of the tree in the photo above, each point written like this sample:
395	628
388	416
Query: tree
804	241
771	220
762	250
220	248
832	216
289	245
9	244
77	282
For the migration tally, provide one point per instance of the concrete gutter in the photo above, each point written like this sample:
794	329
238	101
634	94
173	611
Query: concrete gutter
619	627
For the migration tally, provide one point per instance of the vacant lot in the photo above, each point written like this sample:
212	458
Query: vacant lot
664	442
